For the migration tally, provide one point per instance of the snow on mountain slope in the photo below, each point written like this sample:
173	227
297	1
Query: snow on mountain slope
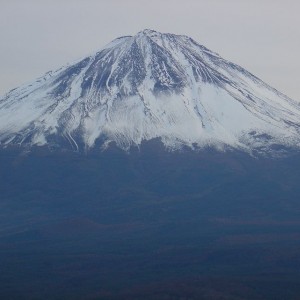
150	85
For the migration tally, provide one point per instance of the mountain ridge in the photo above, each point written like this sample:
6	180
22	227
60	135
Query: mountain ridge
151	85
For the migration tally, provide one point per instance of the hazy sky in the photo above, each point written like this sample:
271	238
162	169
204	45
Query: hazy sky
261	35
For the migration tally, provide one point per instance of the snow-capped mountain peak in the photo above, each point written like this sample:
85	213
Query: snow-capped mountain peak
151	85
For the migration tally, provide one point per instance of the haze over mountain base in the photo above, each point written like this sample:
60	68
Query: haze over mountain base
149	224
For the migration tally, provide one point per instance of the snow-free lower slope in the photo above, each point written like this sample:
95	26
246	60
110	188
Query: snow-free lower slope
151	85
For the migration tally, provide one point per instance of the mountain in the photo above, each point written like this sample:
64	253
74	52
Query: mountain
151	85
149	223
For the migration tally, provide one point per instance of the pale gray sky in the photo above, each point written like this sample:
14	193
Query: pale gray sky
261	35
